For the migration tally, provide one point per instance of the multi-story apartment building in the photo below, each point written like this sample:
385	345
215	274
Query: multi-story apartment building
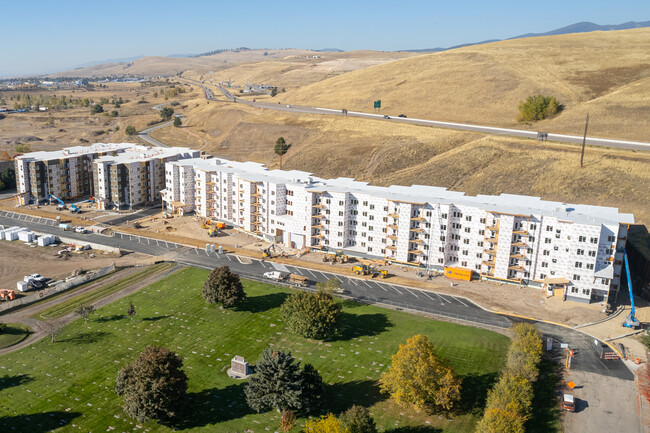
134	177
82	171
517	239
65	173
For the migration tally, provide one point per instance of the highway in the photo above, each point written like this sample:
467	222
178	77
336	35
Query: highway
563	138
382	292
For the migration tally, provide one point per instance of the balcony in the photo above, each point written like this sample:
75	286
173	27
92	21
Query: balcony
415	252
488	263
517	256
392	237
416	229
520	232
516	267
256	213
393	215
492	228
415	240
393	226
317	226
391	247
416	218
256	204
318	205
491	240
519	244
256	194
490	252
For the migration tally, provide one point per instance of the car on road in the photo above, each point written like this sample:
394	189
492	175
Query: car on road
402	116
288	106
386	117
80	229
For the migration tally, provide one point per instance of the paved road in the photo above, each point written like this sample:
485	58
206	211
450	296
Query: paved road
365	290
564	138
144	134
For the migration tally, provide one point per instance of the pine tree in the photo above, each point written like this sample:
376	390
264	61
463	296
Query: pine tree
277	383
280	148
223	286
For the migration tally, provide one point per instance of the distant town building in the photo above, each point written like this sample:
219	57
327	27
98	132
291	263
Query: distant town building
116	174
516	239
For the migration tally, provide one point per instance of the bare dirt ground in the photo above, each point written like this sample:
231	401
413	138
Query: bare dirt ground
597	399
18	260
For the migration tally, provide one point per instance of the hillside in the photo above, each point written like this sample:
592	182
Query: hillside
605	73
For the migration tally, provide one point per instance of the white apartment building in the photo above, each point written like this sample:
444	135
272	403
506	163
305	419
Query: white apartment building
116	174
516	239
135	176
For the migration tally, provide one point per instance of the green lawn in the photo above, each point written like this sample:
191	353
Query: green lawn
13	333
88	298
68	385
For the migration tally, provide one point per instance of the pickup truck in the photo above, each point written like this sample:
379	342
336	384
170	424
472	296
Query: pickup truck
275	275
568	403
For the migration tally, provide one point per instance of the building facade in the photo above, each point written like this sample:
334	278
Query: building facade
83	171
516	239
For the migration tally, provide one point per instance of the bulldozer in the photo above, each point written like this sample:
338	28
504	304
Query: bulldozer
337	257
369	270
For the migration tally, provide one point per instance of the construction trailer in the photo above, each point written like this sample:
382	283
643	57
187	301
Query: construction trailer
459	273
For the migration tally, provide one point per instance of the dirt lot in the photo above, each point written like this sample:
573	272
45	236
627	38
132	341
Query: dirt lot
18	260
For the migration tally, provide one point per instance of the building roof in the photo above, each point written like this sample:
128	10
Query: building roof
143	153
75	151
504	203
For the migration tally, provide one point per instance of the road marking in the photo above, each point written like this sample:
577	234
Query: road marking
228	257
410	291
427	295
196	251
366	283
298	271
458	299
353	281
442	297
311	273
380	285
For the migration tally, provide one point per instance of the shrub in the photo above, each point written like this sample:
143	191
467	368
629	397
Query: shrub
312	315
130	130
96	108
537	108
357	419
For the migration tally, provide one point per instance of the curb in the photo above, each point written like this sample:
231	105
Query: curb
616	314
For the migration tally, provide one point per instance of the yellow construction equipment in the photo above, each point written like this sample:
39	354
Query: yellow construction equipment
268	252
337	257
369	270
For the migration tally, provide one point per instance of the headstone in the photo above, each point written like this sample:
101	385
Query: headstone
239	368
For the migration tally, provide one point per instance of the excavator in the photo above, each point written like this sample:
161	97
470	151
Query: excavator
369	270
630	321
268	252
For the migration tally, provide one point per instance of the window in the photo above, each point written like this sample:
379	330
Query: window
482	220
542	276
479	255
580	252
468	218
549	228
340	233
578	264
585	292
547	240
464	264
611	238
468	230
365	203
441	260
593	240
574	290
441	249
444	215
371	217
372	206
590	266
544	264
340	203
466	241
465	252
289	192
582	239
480	243
592	253
340	213
576	277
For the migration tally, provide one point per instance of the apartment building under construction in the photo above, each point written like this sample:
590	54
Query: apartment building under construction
516	239
116	174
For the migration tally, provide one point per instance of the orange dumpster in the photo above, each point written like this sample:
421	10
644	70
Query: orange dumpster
459	274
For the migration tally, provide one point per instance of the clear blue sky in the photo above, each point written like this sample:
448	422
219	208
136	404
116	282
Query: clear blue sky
46	36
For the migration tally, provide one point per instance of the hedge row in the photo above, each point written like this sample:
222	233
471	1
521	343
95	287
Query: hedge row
509	401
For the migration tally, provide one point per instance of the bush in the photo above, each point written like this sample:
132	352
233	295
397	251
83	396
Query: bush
325	424
130	130
537	108
3	326
357	419
312	315
153	386
96	108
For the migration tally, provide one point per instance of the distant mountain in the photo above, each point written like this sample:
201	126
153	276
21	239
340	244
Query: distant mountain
99	62
583	27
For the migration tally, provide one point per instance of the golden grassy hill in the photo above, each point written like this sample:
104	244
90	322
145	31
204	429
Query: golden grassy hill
384	153
605	73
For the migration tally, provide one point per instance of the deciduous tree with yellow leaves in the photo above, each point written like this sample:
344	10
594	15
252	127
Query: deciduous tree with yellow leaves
417	377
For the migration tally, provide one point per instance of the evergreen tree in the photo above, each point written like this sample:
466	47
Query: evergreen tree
153	386
280	148
223	286
312	315
277	383
177	122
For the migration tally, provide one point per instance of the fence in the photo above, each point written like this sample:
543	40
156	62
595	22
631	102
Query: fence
33	297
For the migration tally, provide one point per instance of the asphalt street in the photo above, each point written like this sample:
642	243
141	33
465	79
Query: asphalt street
564	138
366	290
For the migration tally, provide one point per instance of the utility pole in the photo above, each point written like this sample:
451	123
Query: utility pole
584	140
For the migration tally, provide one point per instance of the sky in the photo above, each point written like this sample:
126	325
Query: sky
49	36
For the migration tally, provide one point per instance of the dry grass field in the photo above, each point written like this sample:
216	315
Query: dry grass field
76	126
384	153
604	73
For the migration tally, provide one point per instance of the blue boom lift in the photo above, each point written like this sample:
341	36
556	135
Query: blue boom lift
630	321
75	209
61	203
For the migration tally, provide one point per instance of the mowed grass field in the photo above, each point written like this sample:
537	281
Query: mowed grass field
14	333
68	385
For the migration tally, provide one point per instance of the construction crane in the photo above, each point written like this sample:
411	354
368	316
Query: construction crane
75	209
61	203
630	321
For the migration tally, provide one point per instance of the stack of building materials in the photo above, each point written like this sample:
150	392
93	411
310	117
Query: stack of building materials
26	236
45	240
3	232
12	233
